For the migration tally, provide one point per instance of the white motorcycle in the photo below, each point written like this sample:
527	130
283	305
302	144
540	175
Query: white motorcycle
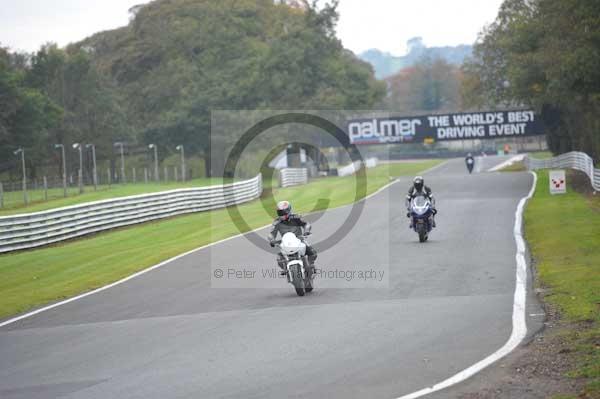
299	272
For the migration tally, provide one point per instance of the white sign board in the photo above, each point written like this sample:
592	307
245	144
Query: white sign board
558	182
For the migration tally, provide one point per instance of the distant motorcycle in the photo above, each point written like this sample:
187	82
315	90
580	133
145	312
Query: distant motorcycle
298	270
470	164
421	212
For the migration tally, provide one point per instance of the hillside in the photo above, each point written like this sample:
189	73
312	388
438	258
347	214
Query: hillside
386	64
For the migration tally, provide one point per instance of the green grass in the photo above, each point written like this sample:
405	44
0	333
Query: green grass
33	278
563	232
515	167
13	201
542	155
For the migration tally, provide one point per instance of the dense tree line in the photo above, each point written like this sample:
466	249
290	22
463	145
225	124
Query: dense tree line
543	54
430	85
157	79
26	113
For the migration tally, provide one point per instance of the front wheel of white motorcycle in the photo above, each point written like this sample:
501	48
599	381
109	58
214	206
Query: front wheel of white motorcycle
297	280
308	284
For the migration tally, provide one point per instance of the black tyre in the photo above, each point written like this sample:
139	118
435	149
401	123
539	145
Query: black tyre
422	236
308	287
297	280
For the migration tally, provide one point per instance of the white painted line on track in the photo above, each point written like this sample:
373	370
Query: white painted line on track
435	167
519	329
516	158
163	263
26	315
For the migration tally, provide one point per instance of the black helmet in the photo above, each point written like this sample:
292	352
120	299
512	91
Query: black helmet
418	182
284	208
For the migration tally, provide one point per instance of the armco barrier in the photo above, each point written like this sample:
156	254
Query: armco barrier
293	176
371	162
573	160
349	169
42	228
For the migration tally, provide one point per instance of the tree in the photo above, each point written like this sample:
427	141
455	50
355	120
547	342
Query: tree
431	85
92	109
26	114
180	59
543	54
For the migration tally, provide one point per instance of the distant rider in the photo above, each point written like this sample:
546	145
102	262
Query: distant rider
287	222
417	189
470	162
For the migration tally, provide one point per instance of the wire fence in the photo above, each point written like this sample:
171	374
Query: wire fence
14	193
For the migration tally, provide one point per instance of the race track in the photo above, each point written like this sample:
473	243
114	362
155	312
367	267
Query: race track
168	334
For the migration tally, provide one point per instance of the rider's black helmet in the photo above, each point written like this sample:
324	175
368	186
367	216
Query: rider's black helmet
418	182
284	208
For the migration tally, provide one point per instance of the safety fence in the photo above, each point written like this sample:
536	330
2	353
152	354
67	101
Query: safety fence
355	166
293	177
46	227
573	160
371	162
349	169
45	188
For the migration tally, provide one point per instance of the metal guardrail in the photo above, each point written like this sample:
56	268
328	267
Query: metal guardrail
41	228
293	176
349	169
371	162
354	167
573	160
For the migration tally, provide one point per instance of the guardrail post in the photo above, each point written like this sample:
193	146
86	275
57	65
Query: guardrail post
108	175
1	196
134	177
146	175
175	172
166	174
45	189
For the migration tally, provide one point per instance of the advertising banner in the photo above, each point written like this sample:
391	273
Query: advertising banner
444	127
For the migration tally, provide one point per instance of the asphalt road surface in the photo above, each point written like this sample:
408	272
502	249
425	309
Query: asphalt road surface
442	306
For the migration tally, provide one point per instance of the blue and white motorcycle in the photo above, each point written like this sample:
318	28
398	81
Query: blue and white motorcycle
421	214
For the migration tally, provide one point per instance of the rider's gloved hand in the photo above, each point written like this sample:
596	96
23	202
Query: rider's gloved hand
271	243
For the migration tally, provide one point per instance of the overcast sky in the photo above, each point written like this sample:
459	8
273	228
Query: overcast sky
382	24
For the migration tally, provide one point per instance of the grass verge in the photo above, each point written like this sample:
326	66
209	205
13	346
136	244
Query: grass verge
33	278
514	167
563	232
541	154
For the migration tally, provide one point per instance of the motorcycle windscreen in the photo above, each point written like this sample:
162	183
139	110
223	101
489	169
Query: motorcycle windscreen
420	205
